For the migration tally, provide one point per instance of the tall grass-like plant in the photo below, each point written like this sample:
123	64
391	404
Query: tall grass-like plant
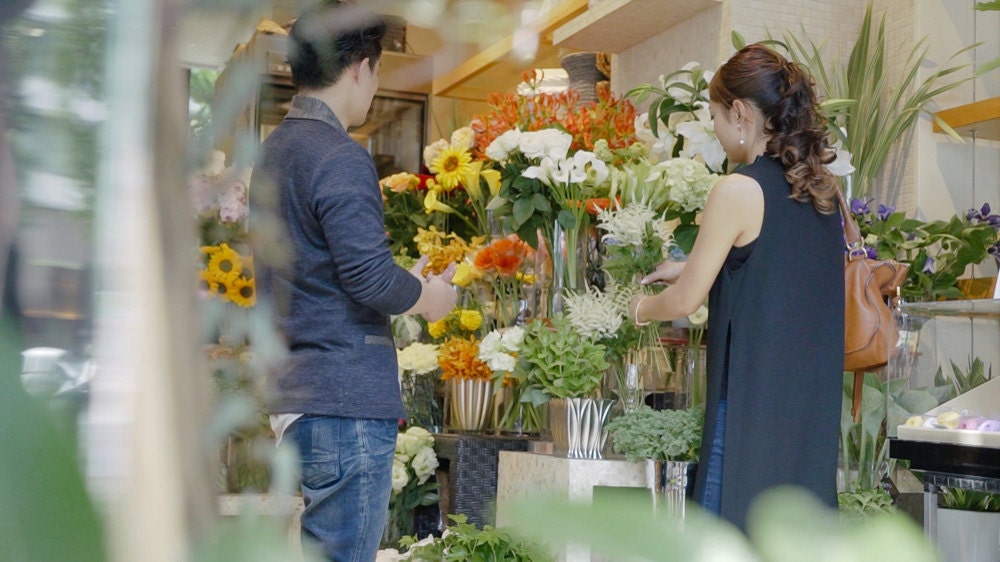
881	111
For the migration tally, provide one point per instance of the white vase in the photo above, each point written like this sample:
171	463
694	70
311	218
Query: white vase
968	536
471	402
578	426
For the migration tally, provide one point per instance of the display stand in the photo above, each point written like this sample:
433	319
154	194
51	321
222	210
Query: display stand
946	465
522	475
467	473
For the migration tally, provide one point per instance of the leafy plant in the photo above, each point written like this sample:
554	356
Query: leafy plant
463	542
964	382
864	503
969	500
882	111
556	361
938	251
646	433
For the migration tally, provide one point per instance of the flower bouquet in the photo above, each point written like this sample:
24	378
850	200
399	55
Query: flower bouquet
469	383
412	486
499	349
507	265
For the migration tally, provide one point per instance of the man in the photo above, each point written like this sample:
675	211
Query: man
339	398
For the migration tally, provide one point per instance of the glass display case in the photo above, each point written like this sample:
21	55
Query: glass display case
943	397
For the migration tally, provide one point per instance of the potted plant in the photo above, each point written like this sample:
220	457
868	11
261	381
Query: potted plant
968	525
561	366
669	441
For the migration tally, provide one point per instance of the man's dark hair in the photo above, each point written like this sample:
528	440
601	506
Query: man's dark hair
329	38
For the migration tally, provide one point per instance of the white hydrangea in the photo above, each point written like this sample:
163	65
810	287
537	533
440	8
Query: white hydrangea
689	181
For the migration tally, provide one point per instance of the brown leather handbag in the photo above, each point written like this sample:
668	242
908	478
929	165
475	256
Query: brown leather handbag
869	289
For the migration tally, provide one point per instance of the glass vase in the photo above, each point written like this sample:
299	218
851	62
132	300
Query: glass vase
568	254
668	482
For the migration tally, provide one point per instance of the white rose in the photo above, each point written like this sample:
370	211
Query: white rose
490	346
502	146
434	150
557	143
406	445
399	477
424	464
463	138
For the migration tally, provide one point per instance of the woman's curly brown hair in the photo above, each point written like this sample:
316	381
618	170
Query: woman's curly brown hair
784	93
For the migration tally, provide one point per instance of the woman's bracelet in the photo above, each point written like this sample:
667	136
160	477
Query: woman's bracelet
637	305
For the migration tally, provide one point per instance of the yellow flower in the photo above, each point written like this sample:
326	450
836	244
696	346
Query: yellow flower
432	204
224	263
465	273
242	291
438	328
523	277
470	320
450	167
207	282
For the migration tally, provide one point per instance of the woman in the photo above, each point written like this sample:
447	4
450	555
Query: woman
769	257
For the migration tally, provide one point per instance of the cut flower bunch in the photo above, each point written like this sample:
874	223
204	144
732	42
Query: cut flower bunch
412	468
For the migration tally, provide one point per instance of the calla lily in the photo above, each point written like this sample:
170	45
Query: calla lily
432	204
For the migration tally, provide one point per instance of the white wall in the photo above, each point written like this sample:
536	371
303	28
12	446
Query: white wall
929	175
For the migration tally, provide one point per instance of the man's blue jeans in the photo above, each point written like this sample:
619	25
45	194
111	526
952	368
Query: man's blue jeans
346	482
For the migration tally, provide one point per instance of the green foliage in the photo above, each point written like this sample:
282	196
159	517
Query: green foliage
938	252
46	511
464	542
785	525
969	500
557	362
524	205
404	214
964	382
646	433
863	504
882	111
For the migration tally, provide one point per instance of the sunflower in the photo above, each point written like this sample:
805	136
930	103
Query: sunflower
224	262
207	281
451	166
242	291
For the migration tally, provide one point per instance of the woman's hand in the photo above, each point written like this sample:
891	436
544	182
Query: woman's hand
667	272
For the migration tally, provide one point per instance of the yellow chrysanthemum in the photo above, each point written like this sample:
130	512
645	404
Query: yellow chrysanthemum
470	320
242	292
224	263
459	358
450	167
527	278
438	328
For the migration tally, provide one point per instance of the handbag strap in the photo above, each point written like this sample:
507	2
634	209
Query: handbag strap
852	234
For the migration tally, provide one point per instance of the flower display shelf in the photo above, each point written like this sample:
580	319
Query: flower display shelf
493	69
615	25
468	473
981	118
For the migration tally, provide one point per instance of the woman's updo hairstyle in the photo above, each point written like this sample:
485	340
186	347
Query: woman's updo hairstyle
784	93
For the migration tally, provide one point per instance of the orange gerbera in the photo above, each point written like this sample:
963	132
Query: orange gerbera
459	358
504	255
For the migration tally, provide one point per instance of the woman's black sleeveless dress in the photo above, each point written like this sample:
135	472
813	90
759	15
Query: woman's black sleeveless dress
775	345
